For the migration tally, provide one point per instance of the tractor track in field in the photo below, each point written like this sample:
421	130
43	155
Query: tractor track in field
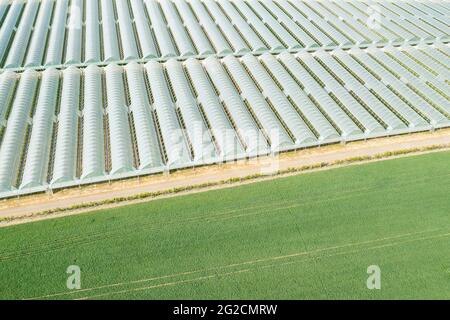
120	232
253	265
305	256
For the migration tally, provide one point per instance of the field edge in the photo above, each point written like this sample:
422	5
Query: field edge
114	202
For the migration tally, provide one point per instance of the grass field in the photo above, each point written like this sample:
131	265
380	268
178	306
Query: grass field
305	236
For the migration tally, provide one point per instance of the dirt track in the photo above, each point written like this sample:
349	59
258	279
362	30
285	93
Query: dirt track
26	205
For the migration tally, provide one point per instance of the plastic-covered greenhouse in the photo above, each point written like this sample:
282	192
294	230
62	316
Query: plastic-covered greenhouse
94	90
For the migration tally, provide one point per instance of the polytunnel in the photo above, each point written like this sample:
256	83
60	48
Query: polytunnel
65	157
38	33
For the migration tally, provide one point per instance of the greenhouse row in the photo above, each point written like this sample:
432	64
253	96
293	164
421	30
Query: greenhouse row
37	33
70	126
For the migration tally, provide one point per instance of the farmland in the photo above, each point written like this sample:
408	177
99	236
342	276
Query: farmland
300	237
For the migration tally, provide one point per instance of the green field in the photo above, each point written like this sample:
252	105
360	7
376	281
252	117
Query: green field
300	237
